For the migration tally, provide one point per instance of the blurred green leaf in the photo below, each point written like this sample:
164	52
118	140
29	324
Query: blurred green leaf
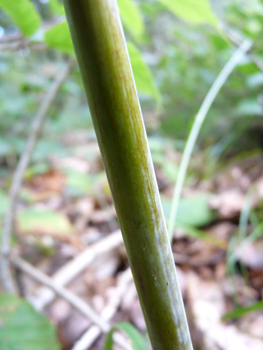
204	236
31	220
4	202
138	341
192	11
36	169
58	37
193	211
56	7
5	147
77	183
255	80
23	14
219	41
45	147
23	328
142	74
242	310
131	17
249	106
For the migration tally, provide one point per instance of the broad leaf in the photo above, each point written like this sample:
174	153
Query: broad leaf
255	80
249	106
142	74
137	340
192	10
204	236
4	203
23	328
59	38
44	222
77	183
56	7
23	14
192	211
131	17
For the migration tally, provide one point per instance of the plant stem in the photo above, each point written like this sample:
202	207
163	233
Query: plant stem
198	122
109	84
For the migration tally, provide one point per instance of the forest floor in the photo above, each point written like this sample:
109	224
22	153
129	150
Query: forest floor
67	228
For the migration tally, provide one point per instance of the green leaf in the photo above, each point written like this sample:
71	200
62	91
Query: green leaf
56	7
131	17
138	341
192	11
23	14
23	328
255	80
192	211
59	38
108	345
204	236
142	74
249	106
4	202
36	169
77	183
242	310
44	221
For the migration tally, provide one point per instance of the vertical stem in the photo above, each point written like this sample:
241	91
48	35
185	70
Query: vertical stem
198	122
109	84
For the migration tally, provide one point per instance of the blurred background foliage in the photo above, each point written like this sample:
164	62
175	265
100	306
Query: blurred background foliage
184	51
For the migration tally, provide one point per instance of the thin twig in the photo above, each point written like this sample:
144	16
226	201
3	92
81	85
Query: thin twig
71	298
198	122
91	334
5	273
23	44
11	38
74	267
89	337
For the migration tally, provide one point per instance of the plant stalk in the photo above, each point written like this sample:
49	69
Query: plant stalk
198	122
107	77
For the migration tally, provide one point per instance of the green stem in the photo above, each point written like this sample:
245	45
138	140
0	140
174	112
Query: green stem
109	84
198	122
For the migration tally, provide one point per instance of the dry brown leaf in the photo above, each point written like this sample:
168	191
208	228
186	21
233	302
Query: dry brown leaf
207	305
228	203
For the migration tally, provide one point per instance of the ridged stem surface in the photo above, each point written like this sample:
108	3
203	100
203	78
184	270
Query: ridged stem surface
108	81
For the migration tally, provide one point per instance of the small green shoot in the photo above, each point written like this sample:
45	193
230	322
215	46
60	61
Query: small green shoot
242	310
198	122
137	340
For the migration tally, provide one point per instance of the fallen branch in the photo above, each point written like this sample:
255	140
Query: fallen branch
74	267
11	38
70	297
91	334
5	273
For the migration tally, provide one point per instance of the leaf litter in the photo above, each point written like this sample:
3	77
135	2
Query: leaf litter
68	207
